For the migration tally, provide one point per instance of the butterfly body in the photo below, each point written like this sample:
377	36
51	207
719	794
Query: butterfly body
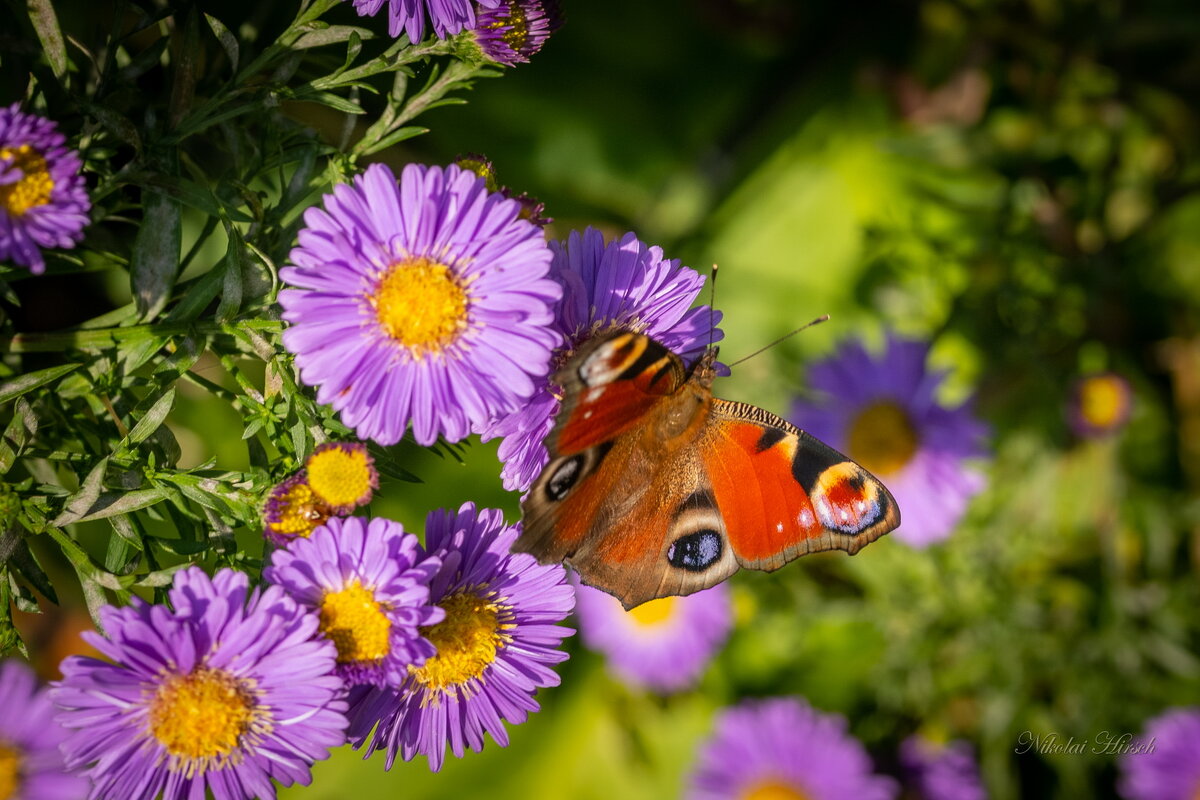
655	488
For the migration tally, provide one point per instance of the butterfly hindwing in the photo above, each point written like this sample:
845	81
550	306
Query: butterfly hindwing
783	493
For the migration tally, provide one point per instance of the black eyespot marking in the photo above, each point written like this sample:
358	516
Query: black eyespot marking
696	551
564	478
770	437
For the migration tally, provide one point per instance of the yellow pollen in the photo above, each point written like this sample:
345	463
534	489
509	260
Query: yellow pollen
300	512
772	790
466	641
1102	400
654	612
354	621
882	438
421	305
202	717
33	189
341	476
518	26
10	772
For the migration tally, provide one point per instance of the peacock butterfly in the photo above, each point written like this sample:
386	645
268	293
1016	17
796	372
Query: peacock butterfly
654	487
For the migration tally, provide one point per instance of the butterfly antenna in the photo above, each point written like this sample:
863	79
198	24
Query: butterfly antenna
784	338
712	305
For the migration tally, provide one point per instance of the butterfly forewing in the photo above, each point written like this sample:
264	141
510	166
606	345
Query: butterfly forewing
609	388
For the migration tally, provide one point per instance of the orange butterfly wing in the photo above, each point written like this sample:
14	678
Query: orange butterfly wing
656	488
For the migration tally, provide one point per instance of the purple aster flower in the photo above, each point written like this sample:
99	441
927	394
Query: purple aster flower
369	585
941	771
230	690
31	766
624	285
494	648
783	748
43	200
425	300
1099	405
516	29
292	511
664	644
408	16
881	412
1164	764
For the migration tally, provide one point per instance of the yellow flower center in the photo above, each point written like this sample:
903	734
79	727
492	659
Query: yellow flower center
1102	400
654	612
34	188
772	790
466	640
204	718
421	305
341	476
10	771
354	621
518	26
882	438
299	511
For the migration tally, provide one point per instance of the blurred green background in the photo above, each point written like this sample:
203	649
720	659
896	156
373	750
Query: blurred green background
1015	181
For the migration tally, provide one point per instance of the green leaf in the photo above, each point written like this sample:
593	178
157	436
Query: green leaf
199	294
112	503
22	560
45	22
231	285
161	577
395	137
83	500
155	261
228	40
320	34
20	431
18	386
329	99
10	639
115	123
152	419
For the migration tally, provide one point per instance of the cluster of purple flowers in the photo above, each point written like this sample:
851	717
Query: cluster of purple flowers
359	626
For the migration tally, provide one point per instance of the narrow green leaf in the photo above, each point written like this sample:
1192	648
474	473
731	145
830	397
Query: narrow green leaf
228	40
319	34
18	386
117	555
155	261
45	22
332	100
83	500
199	294
126	527
395	137
185	61
231	286
112	504
10	639
24	562
17	435
161	577
115	123
153	418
